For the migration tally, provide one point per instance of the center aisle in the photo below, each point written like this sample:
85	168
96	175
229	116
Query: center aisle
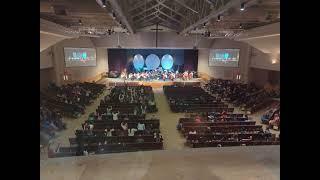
168	122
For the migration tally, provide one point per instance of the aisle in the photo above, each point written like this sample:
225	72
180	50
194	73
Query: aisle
168	121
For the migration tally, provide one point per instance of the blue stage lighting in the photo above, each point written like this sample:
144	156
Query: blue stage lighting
152	61
138	61
167	61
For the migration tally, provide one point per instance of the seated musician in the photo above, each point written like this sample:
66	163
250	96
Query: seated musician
185	75
130	76
172	76
190	75
123	75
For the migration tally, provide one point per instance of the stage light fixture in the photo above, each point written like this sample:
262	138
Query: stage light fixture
103	3
113	15
109	32
240	25
242	7
219	18
80	22
204	25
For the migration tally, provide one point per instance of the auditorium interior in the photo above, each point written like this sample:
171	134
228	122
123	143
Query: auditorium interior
160	89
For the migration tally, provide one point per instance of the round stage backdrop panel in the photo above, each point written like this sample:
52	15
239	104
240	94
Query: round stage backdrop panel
138	61
167	61
152	61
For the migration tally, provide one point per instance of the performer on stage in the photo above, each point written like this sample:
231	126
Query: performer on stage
124	74
172	76
190	75
185	75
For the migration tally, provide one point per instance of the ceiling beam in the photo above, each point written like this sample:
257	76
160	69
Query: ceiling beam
173	19
165	20
176	12
139	5
116	7
213	14
186	6
145	18
145	10
148	20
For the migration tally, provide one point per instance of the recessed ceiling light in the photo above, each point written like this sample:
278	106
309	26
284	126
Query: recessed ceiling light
104	3
242	7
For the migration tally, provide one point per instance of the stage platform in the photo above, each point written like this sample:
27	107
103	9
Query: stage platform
154	83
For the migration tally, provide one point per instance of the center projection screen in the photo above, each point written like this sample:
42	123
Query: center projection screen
75	57
224	57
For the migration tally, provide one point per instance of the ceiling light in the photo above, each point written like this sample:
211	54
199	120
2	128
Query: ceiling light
219	18
242	7
204	25
103	3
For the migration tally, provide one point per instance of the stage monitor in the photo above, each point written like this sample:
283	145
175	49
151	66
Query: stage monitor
75	57
224	57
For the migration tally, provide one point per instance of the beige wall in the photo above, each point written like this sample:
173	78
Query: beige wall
262	60
225	72
261	77
46	76
148	40
46	58
79	73
166	40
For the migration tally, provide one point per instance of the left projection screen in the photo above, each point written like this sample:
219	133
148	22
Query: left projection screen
75	57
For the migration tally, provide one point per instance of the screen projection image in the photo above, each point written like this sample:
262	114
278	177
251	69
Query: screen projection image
224	57
75	57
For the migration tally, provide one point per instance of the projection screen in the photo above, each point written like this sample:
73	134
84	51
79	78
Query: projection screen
224	57
75	57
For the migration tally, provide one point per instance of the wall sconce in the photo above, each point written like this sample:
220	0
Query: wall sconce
274	61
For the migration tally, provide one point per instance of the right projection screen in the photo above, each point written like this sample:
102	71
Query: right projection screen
224	57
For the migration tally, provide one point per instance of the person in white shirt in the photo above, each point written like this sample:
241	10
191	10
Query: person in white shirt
193	132
108	132
85	153
121	97
109	109
131	131
115	115
141	127
91	127
124	126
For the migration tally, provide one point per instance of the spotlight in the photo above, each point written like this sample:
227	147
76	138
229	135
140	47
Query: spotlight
240	25
80	22
242	7
104	3
113	15
109	32
120	23
219	18
204	25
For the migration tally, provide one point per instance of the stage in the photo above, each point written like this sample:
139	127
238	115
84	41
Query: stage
153	83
